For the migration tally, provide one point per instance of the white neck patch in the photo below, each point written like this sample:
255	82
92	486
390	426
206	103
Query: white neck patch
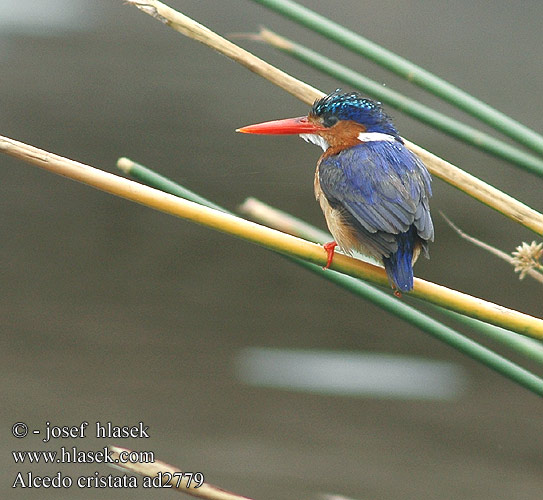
316	139
362	137
375	136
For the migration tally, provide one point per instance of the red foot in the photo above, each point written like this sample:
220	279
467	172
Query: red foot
329	247
398	294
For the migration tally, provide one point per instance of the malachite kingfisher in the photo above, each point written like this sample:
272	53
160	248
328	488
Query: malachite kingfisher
373	191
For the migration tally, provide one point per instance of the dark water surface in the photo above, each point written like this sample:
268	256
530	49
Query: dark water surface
113	312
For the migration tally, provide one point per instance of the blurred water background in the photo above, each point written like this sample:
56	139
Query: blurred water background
113	312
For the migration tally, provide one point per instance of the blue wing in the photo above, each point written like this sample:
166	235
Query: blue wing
383	188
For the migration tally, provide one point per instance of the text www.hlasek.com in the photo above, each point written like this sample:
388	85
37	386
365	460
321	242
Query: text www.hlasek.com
75	456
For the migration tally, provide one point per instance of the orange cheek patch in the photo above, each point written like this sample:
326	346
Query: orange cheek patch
344	134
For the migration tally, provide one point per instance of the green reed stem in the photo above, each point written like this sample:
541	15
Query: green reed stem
288	223
431	326
530	348
409	106
419	76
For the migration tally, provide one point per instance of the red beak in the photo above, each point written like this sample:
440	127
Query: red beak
300	125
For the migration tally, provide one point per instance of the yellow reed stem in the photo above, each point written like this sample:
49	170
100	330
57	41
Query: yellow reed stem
269	238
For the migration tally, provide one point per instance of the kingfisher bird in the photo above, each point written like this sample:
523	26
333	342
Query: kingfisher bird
373	191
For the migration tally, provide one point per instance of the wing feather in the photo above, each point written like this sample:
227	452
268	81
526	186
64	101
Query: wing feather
382	185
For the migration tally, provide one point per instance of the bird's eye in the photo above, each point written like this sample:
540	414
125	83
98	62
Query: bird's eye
330	120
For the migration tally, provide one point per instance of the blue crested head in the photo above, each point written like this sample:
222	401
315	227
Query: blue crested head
352	106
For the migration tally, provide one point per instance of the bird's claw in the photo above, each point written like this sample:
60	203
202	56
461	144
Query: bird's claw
329	248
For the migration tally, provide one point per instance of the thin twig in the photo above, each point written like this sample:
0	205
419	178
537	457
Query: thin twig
479	243
489	248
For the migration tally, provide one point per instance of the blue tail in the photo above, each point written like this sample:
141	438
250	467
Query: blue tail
399	266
